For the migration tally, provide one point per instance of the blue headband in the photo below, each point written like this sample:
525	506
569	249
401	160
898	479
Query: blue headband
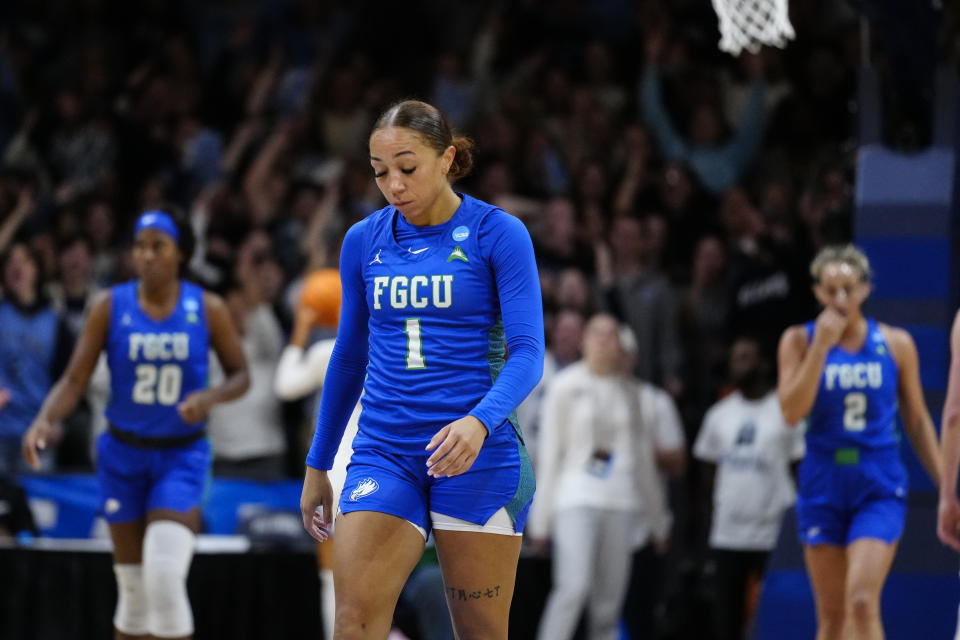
160	221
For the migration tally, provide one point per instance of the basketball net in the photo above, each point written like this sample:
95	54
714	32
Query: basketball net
750	24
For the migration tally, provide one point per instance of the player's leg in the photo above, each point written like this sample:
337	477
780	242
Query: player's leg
123	496
868	563
168	545
573	554
130	617
479	573
373	555
180	478
612	575
827	567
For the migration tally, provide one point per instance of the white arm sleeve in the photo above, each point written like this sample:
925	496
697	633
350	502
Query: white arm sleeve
299	374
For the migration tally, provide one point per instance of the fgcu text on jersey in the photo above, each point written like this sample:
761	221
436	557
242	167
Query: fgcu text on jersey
154	364
436	315
856	402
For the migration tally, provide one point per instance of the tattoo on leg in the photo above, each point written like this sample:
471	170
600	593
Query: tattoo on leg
487	593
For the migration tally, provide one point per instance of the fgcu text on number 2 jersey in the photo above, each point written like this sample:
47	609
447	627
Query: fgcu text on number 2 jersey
438	321
856	403
154	364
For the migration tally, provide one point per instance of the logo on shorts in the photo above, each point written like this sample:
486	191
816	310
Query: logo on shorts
112	505
813	532
364	488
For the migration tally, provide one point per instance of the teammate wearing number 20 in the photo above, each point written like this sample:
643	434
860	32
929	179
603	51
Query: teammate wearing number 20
849	376
153	463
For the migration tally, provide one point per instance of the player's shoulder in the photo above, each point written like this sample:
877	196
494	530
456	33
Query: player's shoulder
372	222
898	341
796	336
493	217
891	333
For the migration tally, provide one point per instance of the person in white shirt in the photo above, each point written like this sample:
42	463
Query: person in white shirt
596	469
565	337
247	433
746	438
659	412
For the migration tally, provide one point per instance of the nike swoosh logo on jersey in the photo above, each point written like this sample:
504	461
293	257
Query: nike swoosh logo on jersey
418	250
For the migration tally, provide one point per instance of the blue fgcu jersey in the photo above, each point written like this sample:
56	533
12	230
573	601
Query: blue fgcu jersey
424	329
439	338
856	403
154	364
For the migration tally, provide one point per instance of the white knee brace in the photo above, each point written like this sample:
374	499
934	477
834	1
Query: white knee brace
167	551
131	614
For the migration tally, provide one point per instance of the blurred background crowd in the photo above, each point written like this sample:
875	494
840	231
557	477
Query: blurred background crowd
672	185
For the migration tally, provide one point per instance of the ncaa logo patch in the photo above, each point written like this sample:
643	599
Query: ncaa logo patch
364	488
460	234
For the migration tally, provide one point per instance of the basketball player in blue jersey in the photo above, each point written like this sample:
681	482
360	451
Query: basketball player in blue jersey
848	376
437	287
153	462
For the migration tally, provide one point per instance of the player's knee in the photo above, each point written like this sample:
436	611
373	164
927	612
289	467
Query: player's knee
167	551
130	616
830	616
862	606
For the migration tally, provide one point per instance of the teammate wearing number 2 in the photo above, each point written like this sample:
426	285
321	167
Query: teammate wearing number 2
848	376
437	286
153	462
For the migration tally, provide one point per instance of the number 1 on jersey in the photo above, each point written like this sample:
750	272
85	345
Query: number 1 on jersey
414	345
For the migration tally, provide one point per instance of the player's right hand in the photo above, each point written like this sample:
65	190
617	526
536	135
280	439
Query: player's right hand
316	504
829	327
38	436
948	522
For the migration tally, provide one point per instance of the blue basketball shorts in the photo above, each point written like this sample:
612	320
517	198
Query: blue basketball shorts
134	481
841	501
500	477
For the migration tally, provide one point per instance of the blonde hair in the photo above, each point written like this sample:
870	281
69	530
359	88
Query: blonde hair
845	254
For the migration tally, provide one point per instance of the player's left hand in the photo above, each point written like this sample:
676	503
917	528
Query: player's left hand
456	447
195	407
948	522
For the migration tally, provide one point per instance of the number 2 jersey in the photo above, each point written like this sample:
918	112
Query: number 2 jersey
425	326
154	364
856	403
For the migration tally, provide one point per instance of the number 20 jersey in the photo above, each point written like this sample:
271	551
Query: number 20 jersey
154	364
856	403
